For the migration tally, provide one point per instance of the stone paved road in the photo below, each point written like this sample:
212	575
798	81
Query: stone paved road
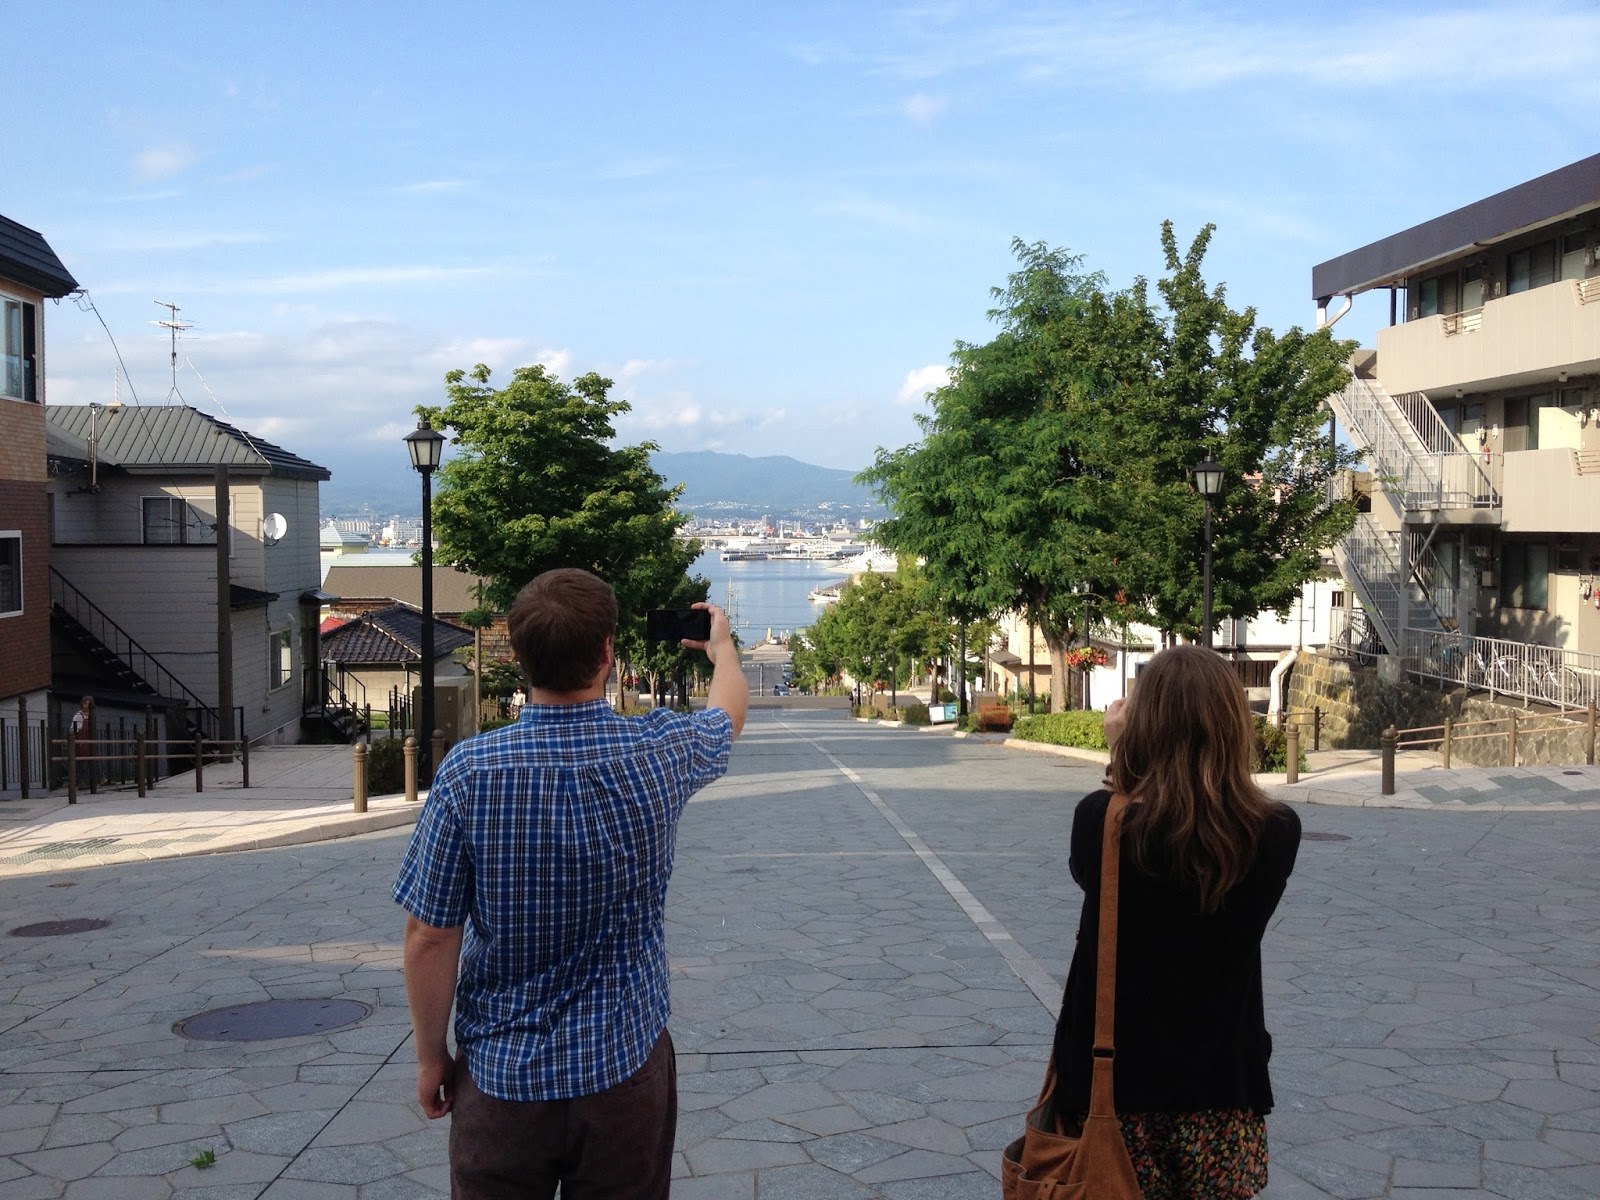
868	929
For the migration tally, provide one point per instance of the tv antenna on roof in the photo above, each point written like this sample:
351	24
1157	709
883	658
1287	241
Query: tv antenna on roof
174	327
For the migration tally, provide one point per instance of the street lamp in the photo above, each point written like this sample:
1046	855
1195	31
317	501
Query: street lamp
1208	482
425	444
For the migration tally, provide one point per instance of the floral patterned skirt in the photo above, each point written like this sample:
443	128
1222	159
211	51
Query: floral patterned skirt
1215	1154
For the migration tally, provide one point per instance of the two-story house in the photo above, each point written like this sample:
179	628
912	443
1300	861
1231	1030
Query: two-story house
1479	410
136	563
30	273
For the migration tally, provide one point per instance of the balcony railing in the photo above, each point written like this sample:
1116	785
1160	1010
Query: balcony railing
1531	673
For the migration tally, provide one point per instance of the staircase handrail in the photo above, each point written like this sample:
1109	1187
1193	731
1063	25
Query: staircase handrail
144	664
1432	468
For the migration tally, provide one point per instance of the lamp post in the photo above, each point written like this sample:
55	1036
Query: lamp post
1208	482
425	444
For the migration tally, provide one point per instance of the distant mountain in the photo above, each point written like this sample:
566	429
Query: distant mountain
732	484
713	481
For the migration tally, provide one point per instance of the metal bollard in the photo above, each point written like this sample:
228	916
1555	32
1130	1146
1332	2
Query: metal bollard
411	770
1588	741
1388	740
438	754
1449	734
359	753
244	758
1293	773
1316	728
1513	747
199	763
72	766
139	768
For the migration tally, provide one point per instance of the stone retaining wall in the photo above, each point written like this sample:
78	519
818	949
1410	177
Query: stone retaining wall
1357	706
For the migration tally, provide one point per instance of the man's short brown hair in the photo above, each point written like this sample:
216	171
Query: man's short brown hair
559	624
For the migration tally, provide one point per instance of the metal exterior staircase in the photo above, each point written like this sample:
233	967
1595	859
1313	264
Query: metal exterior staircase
110	646
1421	465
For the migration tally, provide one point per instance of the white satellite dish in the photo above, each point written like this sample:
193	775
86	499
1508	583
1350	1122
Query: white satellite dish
273	527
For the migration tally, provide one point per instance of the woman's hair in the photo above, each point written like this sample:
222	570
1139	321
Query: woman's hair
1184	754
559	625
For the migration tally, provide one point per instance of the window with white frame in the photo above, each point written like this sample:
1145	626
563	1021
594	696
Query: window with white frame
280	659
173	521
10	572
17	349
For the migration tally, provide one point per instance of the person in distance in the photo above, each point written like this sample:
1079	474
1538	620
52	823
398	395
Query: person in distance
535	892
1205	858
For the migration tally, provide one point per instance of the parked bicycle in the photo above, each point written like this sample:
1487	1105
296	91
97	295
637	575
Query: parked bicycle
1554	682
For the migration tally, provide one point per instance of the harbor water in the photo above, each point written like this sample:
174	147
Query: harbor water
766	593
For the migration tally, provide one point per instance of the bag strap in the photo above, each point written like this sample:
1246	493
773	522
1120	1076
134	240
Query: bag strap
1101	1094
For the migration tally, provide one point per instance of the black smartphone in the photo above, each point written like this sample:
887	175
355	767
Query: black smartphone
675	624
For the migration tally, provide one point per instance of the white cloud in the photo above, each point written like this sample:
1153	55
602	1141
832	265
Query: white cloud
923	109
162	162
920	381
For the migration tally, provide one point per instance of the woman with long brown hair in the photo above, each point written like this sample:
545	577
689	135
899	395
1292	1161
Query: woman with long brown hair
1205	857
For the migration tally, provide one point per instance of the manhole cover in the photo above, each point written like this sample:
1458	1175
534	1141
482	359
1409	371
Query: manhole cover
57	928
1317	835
270	1019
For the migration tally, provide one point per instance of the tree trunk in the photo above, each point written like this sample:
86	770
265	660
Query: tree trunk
1058	642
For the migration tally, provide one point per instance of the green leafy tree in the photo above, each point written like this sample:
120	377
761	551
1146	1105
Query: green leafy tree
1054	473
537	483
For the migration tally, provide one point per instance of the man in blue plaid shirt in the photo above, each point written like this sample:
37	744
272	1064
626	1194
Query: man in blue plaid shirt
535	886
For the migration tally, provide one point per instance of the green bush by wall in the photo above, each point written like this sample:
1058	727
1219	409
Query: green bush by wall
1084	728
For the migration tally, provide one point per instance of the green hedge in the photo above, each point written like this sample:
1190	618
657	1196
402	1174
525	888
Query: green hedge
386	767
914	714
1084	728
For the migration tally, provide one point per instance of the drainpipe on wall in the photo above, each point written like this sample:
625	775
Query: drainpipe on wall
1275	688
1326	322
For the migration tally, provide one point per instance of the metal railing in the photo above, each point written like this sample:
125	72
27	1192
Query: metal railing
1413	452
24	742
119	642
1468	320
1534	674
1353	635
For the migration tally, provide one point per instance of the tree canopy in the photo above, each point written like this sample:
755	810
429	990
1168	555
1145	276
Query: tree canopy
537	483
1054	475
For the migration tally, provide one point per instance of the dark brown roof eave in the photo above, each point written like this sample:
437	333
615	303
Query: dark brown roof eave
1550	197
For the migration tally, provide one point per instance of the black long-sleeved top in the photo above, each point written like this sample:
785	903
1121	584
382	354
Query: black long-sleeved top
1190	1031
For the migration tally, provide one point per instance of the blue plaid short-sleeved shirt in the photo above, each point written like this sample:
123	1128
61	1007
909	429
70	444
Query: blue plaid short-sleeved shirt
552	841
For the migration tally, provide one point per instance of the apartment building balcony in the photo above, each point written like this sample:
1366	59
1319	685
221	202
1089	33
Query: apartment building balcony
1524	338
1554	491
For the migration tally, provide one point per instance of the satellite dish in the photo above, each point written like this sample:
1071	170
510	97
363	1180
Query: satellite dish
273	527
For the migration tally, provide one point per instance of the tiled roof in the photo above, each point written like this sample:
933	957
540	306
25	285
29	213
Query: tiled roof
391	635
27	258
164	436
452	589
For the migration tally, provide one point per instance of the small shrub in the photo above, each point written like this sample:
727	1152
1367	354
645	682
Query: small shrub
386	767
494	723
915	714
945	696
1271	751
1083	728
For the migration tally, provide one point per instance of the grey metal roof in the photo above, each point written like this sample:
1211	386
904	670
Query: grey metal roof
453	590
27	258
1561	193
147	437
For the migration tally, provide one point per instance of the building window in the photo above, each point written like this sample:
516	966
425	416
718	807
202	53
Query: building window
10	572
1525	575
1531	268
172	521
280	660
17	350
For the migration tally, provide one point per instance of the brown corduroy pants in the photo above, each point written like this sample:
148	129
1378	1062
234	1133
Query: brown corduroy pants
612	1145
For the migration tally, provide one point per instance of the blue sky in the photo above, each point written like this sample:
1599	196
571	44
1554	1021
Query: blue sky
768	223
